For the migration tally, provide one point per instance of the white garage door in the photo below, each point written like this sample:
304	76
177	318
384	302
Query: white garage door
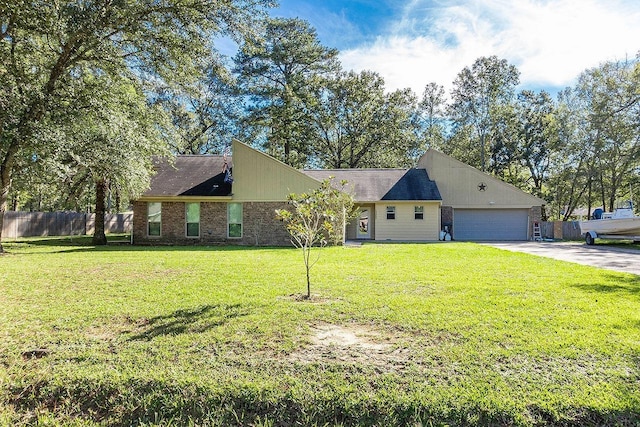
490	224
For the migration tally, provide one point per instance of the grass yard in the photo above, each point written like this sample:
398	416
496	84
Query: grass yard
396	334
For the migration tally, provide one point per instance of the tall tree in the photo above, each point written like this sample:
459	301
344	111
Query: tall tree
206	113
611	92
42	45
111	146
536	137
480	110
276	70
431	117
356	124
571	162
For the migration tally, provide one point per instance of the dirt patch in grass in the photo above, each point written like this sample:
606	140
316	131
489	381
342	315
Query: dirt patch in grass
355	344
313	299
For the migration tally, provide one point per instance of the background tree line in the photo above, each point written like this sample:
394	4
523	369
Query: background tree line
90	91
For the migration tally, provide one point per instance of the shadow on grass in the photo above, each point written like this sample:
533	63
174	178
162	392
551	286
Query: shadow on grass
629	285
197	320
75	240
116	243
139	400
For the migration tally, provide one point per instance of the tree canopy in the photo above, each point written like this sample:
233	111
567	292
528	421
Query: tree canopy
45	47
354	123
480	108
276	70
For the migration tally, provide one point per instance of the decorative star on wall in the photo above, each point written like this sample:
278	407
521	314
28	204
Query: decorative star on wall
482	186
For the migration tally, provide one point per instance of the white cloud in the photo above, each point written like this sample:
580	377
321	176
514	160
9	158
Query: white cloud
550	42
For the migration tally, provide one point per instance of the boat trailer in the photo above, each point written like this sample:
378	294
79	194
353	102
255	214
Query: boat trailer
590	237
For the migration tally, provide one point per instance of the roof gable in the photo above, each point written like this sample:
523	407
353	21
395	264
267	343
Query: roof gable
464	186
259	177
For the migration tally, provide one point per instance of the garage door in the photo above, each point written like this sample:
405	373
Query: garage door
490	224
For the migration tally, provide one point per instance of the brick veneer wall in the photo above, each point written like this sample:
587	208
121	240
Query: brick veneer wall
535	213
446	217
260	227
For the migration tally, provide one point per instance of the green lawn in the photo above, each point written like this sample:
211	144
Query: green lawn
396	334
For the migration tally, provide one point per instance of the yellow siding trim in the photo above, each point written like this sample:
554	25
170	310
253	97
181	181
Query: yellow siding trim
184	199
258	177
405	227
458	185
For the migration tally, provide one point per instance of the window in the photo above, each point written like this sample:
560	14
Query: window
193	219
391	212
418	212
234	220
154	218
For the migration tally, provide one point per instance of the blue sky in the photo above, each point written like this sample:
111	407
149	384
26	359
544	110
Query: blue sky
414	42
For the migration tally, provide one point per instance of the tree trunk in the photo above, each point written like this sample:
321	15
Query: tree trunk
99	238
4	191
482	153
589	201
5	183
307	253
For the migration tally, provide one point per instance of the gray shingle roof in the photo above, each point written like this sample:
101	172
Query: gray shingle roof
372	185
190	176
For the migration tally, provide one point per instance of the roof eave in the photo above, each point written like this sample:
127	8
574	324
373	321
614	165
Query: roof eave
169	198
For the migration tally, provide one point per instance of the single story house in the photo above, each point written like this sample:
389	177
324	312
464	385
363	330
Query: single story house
207	199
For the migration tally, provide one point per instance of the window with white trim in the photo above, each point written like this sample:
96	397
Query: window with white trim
418	212
234	220
391	212
192	215
154	218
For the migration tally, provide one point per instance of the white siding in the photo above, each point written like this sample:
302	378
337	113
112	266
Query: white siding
405	227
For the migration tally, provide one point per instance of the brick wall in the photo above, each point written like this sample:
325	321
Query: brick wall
259	225
535	213
446	217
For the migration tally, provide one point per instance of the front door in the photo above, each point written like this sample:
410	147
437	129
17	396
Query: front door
364	231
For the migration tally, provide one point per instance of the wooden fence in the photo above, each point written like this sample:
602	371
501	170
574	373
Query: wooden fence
24	224
560	230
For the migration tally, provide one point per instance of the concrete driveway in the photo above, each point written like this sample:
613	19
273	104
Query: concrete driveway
603	256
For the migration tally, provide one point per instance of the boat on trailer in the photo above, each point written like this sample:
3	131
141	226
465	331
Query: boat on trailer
621	224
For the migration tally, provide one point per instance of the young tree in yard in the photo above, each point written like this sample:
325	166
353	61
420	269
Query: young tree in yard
315	218
44	44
